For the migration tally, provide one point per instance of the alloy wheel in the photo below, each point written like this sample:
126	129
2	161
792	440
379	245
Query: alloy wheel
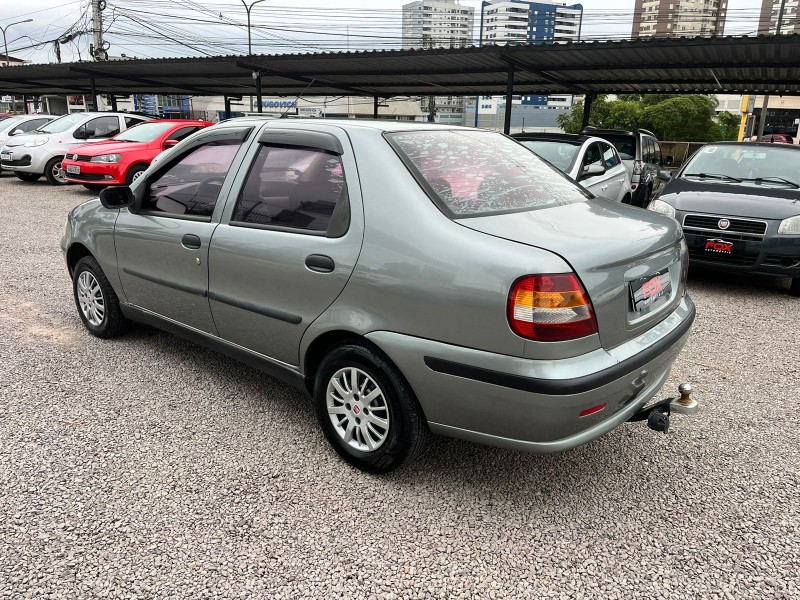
90	299
358	409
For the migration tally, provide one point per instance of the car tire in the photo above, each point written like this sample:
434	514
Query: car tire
794	288
27	176
391	421
97	303
134	172
54	172
94	187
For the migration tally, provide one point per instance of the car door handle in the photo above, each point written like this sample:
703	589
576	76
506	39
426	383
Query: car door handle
320	263
190	241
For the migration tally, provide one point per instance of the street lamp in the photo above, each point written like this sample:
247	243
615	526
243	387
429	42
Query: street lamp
5	42
248	9
8	60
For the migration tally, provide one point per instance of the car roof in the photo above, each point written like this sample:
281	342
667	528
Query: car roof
755	144
376	124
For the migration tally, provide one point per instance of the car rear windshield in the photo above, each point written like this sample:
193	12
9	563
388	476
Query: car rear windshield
625	144
62	124
478	173
146	132
751	165
558	154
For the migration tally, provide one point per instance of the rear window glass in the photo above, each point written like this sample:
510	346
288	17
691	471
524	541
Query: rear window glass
477	173
625	145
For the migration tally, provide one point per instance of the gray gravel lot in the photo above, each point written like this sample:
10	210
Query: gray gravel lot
147	467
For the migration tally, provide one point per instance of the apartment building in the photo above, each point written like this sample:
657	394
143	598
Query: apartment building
770	9
439	24
531	22
679	18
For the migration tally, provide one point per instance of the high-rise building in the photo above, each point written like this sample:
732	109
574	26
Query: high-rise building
439	24
679	18
528	22
770	9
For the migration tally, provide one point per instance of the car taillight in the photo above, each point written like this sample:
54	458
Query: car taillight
637	167
550	308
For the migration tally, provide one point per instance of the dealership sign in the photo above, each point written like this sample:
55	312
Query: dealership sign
284	104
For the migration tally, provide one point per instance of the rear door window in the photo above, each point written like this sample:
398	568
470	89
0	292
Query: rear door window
656	152
478	173
294	188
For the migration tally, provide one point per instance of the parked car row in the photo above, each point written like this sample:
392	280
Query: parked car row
92	148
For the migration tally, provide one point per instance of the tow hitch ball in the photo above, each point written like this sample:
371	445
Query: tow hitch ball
657	415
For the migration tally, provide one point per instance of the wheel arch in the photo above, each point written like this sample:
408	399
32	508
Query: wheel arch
75	252
324	343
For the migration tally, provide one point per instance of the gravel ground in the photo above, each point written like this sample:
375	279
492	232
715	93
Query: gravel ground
148	467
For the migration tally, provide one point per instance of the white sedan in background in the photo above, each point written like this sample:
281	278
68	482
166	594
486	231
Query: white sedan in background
591	161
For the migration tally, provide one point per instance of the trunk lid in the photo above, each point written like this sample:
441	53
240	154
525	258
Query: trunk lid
609	246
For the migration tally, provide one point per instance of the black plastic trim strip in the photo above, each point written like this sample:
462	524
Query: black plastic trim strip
170	284
257	308
562	387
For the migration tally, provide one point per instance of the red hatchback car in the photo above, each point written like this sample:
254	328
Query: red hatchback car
121	159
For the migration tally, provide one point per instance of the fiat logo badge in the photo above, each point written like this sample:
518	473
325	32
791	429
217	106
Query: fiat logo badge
724	224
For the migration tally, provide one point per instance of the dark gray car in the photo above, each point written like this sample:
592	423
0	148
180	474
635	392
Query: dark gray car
739	204
412	277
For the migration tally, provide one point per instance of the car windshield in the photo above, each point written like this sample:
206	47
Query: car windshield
558	154
62	124
477	173
146	132
746	165
625	145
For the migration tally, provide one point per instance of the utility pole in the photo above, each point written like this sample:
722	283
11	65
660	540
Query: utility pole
762	121
99	50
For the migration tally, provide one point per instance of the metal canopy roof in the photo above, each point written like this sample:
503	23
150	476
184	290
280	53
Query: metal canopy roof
768	64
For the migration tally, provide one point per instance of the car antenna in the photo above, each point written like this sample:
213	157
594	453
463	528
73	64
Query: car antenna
310	83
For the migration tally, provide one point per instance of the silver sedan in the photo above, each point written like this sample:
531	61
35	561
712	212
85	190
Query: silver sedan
413	278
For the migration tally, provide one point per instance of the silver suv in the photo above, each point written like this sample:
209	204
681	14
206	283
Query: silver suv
40	152
641	154
413	278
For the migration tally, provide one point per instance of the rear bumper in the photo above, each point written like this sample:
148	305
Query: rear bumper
535	405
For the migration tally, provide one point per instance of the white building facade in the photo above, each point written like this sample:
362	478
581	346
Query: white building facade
439	24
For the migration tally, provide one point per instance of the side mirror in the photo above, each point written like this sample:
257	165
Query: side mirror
117	197
17	132
668	161
170	143
664	175
80	134
591	171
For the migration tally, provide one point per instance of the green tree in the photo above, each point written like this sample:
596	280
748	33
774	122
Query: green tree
687	118
729	125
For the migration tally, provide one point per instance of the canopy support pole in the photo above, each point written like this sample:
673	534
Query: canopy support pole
587	110
509	98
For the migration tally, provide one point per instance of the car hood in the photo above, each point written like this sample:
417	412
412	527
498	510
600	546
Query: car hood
606	243
19	140
106	147
731	199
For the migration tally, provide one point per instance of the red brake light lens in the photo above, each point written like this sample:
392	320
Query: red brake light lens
550	308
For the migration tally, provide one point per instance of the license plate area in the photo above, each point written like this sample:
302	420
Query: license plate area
719	247
5	155
650	292
75	169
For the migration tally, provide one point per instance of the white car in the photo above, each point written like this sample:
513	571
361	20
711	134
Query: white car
591	161
40	152
20	124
